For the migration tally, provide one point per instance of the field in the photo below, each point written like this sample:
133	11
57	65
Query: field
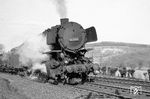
120	54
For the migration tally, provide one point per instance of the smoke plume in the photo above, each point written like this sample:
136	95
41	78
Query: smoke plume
61	7
31	52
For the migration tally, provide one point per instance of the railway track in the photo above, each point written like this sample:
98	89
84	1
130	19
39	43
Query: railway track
100	94
117	88
113	91
124	82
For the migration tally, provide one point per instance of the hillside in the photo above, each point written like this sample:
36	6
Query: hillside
120	54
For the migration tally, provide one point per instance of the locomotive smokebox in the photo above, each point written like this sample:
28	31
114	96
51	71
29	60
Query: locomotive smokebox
64	21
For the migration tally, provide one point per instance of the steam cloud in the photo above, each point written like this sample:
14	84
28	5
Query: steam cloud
31	52
61	7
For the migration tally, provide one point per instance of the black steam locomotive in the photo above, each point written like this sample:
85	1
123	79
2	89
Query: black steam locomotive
67	62
67	56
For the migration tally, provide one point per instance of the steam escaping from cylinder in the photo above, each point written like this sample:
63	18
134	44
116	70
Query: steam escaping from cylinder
31	52
61	7
39	66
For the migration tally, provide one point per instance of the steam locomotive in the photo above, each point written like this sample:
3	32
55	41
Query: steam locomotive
67	61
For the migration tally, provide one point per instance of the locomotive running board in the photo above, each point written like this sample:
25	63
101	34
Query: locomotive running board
52	51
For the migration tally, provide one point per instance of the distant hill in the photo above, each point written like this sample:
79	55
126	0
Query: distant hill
115	54
109	43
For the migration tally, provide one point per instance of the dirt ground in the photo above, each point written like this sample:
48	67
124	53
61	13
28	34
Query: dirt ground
7	91
23	88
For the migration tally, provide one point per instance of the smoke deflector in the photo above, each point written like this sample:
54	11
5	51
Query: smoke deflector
91	34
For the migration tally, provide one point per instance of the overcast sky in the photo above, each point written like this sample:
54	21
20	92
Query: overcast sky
114	20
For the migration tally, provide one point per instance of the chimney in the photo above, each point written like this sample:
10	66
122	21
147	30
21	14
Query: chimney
64	21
